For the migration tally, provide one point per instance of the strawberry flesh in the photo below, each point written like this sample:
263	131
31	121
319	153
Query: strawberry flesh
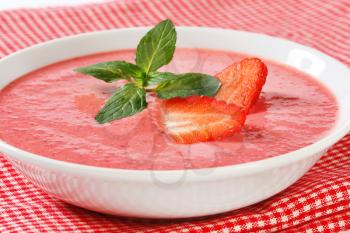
200	118
242	82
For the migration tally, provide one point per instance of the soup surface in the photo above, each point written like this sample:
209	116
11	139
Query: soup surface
51	112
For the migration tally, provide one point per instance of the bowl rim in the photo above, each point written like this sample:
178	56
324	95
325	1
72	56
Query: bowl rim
215	172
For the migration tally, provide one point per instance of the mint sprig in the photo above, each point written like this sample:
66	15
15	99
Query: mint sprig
154	50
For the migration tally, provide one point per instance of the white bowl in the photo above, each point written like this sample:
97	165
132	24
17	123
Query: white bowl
176	193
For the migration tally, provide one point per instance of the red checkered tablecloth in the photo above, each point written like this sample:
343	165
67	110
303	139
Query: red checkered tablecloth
318	202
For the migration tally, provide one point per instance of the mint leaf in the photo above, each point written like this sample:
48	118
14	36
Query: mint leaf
158	77
112	71
126	101
157	47
188	84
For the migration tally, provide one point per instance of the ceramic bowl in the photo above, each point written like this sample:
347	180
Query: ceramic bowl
177	193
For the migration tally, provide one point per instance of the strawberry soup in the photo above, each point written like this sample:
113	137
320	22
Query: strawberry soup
51	112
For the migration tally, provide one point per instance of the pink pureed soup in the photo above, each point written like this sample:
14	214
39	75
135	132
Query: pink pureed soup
51	112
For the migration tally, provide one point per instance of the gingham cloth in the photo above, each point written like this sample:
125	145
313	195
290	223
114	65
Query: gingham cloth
318	202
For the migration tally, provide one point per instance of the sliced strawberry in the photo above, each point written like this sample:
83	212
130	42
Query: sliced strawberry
200	118
197	119
241	83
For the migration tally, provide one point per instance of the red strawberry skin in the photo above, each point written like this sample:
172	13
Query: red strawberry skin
241	83
200	118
